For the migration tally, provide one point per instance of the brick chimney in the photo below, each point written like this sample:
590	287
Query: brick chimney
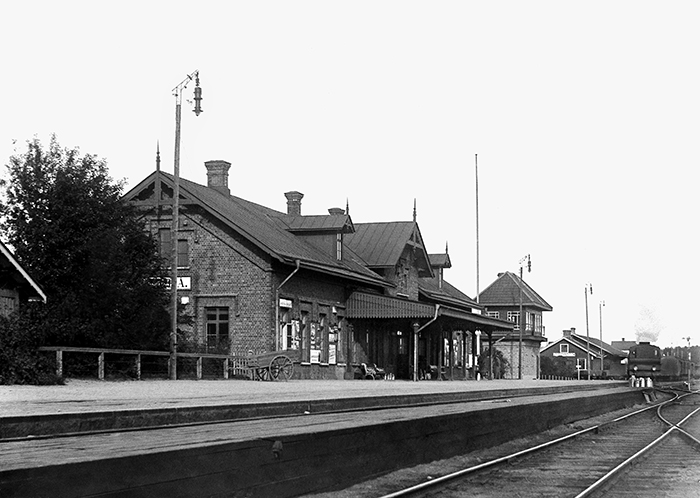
294	202
567	333
336	211
217	175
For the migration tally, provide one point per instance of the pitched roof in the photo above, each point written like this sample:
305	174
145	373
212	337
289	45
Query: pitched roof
595	345
505	291
10	266
622	345
381	245
440	260
320	223
448	294
270	230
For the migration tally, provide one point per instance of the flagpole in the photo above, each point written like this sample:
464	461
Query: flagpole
476	172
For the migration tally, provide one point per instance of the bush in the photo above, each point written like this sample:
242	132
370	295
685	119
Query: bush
500	364
20	360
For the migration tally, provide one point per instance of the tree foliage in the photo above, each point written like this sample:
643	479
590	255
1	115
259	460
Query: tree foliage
499	365
63	215
557	367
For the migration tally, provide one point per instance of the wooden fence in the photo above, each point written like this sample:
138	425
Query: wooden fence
230	365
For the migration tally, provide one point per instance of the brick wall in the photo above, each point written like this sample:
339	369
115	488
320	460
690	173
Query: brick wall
225	270
510	353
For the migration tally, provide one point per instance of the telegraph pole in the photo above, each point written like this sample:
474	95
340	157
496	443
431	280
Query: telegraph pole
586	289
600	314
177	92
520	316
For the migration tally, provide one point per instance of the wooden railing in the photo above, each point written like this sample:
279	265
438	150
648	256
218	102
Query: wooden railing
231	365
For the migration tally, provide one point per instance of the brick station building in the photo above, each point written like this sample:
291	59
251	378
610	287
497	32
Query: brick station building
331	293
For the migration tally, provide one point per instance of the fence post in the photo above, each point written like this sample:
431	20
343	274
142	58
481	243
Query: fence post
59	363
138	366
199	368
225	368
101	366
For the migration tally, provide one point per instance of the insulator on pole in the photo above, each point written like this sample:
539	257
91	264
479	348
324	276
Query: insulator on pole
197	97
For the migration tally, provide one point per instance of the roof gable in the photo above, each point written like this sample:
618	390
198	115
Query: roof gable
505	291
381	245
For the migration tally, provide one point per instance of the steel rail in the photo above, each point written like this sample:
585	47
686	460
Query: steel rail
454	475
673	427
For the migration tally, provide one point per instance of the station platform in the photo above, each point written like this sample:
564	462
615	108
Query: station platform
90	405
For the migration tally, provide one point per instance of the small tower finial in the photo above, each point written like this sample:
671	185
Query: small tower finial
447	251
414	210
158	155
347	206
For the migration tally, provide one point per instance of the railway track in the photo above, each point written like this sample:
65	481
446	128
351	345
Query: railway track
649	452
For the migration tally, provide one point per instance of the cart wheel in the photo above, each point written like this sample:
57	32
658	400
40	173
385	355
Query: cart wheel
262	373
281	368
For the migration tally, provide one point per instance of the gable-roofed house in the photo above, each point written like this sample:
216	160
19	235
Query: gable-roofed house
573	351
16	286
502	300
332	292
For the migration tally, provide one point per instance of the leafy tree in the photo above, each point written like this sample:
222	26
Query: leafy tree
500	364
63	215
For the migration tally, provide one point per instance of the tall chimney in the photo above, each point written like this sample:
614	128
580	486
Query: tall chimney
294	202
217	175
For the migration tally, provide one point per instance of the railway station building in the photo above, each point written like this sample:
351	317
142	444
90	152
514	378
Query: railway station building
332	294
503	299
16	286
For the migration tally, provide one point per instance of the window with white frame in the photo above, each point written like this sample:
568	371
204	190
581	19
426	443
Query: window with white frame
514	316
494	314
563	348
581	363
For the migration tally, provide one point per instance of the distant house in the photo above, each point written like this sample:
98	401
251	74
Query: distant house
502	300
623	345
573	349
16	286
330	292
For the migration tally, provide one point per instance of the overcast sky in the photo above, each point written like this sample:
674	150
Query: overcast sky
585	117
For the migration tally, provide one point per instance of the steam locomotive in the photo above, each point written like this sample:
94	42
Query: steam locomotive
646	361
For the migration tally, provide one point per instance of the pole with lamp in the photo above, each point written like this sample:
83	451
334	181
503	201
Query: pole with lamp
600	314
520	315
588	288
177	92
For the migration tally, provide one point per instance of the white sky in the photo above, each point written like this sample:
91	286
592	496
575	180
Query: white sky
584	116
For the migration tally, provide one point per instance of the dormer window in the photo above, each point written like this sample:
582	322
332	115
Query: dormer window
339	246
